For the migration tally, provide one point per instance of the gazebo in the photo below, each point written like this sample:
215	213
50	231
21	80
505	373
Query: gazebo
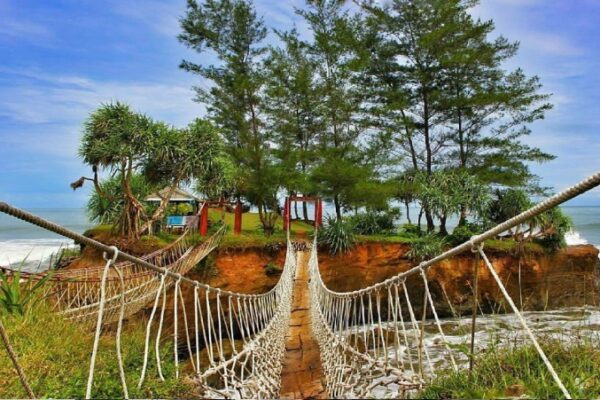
178	196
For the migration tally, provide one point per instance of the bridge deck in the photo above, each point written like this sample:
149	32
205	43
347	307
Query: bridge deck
302	376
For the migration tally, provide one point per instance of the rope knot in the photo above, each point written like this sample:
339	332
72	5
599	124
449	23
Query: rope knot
115	255
475	247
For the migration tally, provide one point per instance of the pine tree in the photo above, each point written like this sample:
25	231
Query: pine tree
343	161
293	103
445	96
234	33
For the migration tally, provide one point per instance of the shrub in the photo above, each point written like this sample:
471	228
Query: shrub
411	231
337	235
426	247
18	294
374	223
463	233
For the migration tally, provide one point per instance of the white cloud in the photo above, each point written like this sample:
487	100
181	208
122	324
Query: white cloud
64	99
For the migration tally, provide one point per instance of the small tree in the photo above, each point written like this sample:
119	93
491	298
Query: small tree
115	139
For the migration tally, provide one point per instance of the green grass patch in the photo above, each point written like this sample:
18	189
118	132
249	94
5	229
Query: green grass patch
55	355
520	372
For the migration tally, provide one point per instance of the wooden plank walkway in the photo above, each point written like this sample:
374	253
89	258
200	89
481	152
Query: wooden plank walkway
302	376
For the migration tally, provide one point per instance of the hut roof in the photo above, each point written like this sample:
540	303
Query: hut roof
179	196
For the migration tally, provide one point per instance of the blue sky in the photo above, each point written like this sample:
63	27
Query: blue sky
60	59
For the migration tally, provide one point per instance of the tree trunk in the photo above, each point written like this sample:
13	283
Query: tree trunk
429	219
305	211
462	216
296	210
338	207
407	212
443	230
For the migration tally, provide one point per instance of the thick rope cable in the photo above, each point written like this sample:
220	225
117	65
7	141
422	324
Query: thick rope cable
15	361
516	311
109	262
118	337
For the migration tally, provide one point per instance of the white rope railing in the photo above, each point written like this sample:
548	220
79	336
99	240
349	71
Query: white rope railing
239	338
368	349
75	293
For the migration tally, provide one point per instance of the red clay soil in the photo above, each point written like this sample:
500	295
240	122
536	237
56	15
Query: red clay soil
302	376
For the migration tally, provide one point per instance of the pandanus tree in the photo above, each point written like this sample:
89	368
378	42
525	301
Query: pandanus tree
114	141
139	152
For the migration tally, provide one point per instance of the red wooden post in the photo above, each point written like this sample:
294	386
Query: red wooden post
204	220
286	214
237	224
319	212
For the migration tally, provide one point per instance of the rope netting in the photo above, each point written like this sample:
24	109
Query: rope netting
387	340
75	293
233	342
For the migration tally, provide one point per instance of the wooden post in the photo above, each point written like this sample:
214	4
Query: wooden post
319	212
474	311
204	220
237	224
286	214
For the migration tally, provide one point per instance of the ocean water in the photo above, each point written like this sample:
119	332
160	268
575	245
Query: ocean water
25	245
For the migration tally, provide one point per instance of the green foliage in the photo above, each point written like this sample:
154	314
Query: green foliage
411	231
548	229
555	224
519	372
464	232
272	269
375	223
426	247
337	235
447	192
19	294
106	207
234	33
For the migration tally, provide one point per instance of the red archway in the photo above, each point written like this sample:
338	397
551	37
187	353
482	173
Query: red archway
287	207
203	223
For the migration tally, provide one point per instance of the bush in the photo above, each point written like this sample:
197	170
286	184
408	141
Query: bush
337	235
17	294
272	269
375	223
463	233
426	247
411	231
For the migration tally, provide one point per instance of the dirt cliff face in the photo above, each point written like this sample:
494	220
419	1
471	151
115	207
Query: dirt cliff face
569	277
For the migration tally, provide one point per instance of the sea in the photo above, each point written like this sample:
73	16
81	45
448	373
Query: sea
29	247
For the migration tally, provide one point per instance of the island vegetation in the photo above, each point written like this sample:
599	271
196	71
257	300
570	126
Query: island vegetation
376	109
384	107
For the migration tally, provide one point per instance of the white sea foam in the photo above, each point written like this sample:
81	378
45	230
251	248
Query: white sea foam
574	238
28	253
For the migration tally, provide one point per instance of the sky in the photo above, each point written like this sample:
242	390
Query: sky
61	59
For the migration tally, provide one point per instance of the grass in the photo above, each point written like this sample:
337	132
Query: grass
251	234
520	372
55	355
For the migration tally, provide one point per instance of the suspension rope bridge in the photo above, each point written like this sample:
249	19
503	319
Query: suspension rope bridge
372	342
